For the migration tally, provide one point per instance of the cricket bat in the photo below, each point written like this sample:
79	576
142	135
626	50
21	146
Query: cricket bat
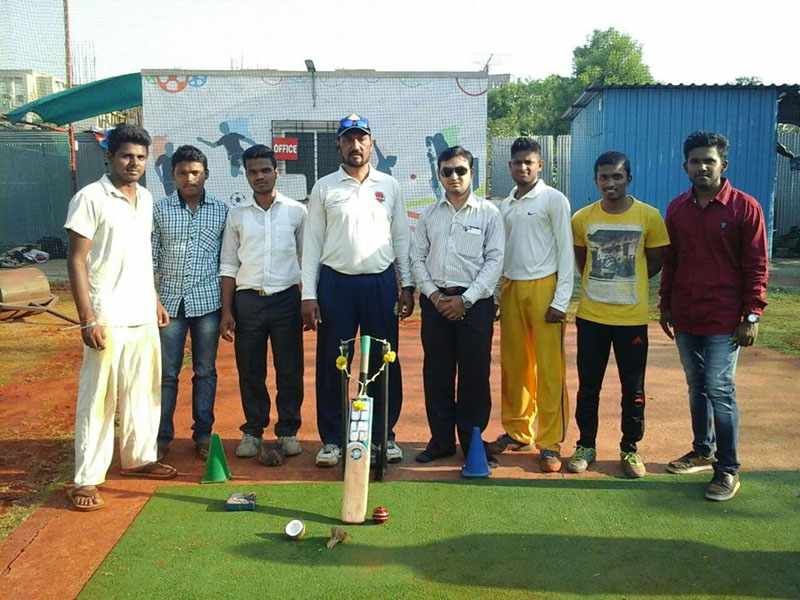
357	452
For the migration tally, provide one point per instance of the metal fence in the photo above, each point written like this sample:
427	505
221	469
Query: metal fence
787	186
35	185
555	154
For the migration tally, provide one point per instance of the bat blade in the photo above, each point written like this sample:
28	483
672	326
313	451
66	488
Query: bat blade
357	457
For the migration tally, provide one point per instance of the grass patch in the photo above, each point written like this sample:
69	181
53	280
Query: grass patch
780	326
559	538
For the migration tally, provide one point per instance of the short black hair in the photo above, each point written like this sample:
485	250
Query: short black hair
259	151
454	152
189	154
613	158
127	134
525	144
706	139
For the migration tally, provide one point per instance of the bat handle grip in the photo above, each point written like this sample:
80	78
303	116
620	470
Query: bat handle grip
365	347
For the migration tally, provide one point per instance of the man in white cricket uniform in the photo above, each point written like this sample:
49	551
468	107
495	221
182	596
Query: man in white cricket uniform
111	276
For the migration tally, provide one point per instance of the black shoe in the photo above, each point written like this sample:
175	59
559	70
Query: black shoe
202	446
427	456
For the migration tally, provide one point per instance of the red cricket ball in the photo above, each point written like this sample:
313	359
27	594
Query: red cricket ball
380	515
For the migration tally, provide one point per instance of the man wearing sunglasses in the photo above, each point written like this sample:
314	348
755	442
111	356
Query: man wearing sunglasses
457	259
355	250
536	288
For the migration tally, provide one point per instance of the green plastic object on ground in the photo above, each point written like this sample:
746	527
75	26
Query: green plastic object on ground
216	466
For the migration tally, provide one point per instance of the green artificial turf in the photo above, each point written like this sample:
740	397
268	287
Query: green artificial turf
570	537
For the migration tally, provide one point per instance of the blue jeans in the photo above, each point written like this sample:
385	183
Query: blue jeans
205	338
709	363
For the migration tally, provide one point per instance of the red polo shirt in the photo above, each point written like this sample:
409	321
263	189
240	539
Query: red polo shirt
715	270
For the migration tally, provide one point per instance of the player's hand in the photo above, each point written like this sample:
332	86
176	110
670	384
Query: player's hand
162	315
227	324
309	311
745	334
553	315
94	337
496	312
405	304
452	307
665	320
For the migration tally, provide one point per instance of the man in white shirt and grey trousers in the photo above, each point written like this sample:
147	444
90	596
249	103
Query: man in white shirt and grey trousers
260	272
355	249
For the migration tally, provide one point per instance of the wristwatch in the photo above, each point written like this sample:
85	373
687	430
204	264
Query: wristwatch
752	318
467	304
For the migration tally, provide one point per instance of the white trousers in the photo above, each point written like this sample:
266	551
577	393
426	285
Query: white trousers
128	368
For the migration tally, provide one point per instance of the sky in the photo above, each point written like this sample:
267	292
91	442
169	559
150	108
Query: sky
683	41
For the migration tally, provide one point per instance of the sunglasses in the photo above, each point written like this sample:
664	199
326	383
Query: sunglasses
346	123
459	170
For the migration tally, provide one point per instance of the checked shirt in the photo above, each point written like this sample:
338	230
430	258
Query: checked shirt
186	249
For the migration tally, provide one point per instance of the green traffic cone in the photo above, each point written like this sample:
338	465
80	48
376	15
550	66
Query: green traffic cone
216	465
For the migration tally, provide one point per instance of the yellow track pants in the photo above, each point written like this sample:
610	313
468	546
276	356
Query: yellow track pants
533	364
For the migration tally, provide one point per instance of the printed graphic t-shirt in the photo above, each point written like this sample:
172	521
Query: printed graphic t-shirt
615	283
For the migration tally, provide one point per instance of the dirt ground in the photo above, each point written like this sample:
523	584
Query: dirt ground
55	551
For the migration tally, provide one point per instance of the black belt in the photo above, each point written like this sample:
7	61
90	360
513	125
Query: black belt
452	291
264	294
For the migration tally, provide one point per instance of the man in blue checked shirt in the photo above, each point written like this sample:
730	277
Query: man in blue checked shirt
187	236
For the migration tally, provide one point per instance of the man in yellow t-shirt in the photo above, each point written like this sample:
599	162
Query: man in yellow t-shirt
618	242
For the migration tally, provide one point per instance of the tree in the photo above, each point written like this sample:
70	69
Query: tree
610	58
748	80
536	105
530	107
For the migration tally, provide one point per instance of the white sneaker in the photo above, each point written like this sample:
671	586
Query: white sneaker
290	445
329	455
248	447
393	452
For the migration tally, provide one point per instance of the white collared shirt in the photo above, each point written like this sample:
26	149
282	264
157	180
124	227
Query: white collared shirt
539	239
119	264
461	248
355	228
261	248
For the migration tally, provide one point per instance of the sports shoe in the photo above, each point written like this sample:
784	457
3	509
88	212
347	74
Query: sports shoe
290	445
581	460
691	462
632	464
723	486
328	456
393	452
505	443
248	447
202	446
550	461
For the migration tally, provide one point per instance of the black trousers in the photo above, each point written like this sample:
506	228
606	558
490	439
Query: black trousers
275	318
630	349
463	347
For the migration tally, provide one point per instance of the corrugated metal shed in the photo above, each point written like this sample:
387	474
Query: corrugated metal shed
649	124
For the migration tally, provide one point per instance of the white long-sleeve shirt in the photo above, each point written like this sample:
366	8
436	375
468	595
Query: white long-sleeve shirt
355	228
459	248
539	239
261	248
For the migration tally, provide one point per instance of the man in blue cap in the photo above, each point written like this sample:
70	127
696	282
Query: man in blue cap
355	263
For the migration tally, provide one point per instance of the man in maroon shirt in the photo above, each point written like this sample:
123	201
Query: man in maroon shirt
713	288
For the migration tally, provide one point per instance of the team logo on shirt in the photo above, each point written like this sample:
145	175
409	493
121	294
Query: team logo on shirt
380	197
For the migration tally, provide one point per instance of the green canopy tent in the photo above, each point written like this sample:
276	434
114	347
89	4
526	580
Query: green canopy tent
85	101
